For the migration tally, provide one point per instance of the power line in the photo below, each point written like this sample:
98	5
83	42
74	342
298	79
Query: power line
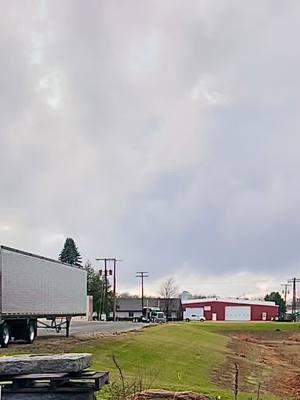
142	275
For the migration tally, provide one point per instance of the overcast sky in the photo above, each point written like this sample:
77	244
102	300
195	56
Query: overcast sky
165	133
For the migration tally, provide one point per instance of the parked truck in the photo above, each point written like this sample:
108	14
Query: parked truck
153	314
37	292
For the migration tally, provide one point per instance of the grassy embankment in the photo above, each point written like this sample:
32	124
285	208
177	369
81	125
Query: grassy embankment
181	356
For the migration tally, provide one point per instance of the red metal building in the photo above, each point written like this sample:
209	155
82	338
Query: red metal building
217	309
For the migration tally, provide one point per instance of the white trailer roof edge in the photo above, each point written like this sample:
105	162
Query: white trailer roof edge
26	253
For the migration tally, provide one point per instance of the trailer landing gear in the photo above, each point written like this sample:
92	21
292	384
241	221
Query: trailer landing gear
57	324
68	322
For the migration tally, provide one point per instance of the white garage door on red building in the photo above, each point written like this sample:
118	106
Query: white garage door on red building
237	313
230	309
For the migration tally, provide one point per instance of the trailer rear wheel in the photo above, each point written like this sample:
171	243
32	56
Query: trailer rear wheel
30	332
4	335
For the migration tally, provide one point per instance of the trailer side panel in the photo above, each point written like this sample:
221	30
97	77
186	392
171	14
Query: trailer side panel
32	285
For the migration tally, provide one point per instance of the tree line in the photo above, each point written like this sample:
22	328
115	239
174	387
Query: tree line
96	284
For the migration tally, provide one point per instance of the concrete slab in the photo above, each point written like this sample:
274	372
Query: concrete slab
32	364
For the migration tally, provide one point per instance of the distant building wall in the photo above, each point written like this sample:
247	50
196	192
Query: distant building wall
218	310
131	307
89	308
127	314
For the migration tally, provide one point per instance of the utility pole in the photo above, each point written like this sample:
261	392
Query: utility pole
285	291
106	287
142	275
294	303
115	289
106	260
104	305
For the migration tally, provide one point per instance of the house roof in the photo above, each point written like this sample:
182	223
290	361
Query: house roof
229	300
135	304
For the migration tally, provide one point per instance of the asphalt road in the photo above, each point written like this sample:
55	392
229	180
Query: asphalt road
85	327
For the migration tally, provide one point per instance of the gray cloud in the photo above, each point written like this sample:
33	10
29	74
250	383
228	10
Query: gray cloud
160	132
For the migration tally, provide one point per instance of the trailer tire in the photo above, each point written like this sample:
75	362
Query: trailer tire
4	335
30	332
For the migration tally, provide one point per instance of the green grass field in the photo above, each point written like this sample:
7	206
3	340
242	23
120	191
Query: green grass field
180	356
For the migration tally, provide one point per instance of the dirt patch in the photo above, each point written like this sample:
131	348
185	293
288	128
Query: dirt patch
166	395
268	362
294	338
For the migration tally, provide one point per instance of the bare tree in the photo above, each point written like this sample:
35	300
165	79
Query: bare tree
168	290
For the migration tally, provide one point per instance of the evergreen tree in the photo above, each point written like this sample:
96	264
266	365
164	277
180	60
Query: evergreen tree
70	253
279	301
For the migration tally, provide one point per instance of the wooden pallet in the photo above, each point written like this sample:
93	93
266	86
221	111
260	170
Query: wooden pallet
54	382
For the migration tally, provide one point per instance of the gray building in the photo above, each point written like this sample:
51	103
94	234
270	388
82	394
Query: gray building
131	307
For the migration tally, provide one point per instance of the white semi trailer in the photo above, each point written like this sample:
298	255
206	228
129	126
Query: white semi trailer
37	292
